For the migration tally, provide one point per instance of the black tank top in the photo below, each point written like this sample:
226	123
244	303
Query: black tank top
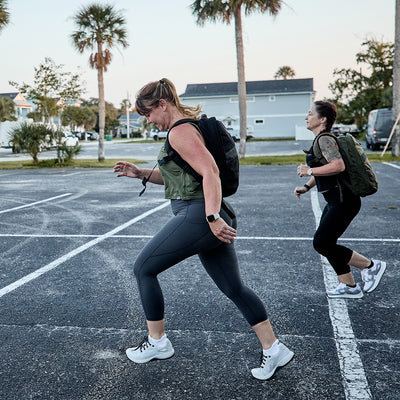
324	183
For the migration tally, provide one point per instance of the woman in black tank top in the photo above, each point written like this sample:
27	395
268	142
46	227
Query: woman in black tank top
341	208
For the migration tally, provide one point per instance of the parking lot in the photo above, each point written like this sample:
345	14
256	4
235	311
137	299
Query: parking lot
70	306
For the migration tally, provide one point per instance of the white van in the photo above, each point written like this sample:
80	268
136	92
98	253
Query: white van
5	129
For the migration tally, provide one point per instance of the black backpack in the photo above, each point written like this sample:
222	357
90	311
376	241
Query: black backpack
358	176
221	146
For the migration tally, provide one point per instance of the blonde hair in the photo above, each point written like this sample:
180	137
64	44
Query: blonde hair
150	95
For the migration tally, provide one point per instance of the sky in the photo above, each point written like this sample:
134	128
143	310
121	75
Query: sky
313	37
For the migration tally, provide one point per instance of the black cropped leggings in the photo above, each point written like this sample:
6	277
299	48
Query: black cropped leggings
335	219
185	235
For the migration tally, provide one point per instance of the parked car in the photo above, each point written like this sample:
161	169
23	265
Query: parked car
235	133
352	129
380	124
91	135
157	134
68	139
78	135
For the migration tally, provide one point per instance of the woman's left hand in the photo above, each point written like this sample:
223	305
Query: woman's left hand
222	230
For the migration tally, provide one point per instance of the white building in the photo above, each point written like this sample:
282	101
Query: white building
275	108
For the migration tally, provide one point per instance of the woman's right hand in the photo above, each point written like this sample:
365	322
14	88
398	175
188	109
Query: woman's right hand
127	169
223	231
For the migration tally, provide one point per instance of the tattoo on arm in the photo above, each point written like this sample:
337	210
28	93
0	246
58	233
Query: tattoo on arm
329	148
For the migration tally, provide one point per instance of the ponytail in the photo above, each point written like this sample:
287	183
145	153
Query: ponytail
150	95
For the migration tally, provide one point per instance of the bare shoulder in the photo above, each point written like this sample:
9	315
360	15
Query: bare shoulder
186	133
329	148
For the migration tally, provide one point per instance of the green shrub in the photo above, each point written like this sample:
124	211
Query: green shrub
31	138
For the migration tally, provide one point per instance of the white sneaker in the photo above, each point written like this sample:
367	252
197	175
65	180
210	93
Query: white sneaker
269	364
342	291
372	276
146	352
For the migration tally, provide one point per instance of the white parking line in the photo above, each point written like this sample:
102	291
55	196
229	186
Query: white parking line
392	165
354	379
35	203
78	250
295	239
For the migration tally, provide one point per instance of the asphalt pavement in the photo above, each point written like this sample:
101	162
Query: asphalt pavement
70	306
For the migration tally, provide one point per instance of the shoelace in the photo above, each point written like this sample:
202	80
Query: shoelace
144	344
263	359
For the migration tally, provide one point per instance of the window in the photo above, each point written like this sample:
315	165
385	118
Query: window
249	99
259	121
272	98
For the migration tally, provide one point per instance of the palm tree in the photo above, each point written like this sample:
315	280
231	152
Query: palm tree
285	72
396	80
100	28
226	10
4	14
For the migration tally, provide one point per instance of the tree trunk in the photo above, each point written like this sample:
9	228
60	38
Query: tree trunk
102	106
241	82
396	81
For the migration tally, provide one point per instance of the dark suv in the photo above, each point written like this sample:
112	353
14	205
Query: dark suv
380	124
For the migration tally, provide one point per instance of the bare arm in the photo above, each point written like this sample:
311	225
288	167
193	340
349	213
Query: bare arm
188	142
332	154
299	190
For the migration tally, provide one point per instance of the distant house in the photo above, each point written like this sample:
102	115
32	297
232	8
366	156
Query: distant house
275	108
60	102
135	123
23	106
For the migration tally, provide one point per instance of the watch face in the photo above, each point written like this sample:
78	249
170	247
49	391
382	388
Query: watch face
212	217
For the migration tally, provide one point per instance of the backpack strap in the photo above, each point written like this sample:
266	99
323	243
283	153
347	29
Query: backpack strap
172	155
317	149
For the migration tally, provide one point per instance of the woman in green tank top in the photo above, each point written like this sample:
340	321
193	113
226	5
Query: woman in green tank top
199	226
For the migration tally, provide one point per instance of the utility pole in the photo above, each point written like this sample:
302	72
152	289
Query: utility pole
396	81
127	107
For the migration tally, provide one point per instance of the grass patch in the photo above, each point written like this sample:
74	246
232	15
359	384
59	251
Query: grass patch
128	141
376	157
109	163
271	139
52	163
273	160
301	159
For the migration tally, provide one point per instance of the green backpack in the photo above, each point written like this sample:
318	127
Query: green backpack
359	176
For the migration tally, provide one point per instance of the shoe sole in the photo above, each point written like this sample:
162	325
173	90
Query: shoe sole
346	296
165	356
378	278
283	362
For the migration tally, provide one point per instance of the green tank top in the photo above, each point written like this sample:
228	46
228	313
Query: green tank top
178	184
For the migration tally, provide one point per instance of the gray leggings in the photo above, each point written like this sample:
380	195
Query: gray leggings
185	235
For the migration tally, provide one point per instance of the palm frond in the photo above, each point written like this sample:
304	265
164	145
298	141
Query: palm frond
4	14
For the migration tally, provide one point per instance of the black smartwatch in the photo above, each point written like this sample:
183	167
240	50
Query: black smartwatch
212	217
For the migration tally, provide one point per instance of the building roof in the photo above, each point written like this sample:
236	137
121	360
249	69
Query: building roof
18	99
252	87
132	116
12	96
